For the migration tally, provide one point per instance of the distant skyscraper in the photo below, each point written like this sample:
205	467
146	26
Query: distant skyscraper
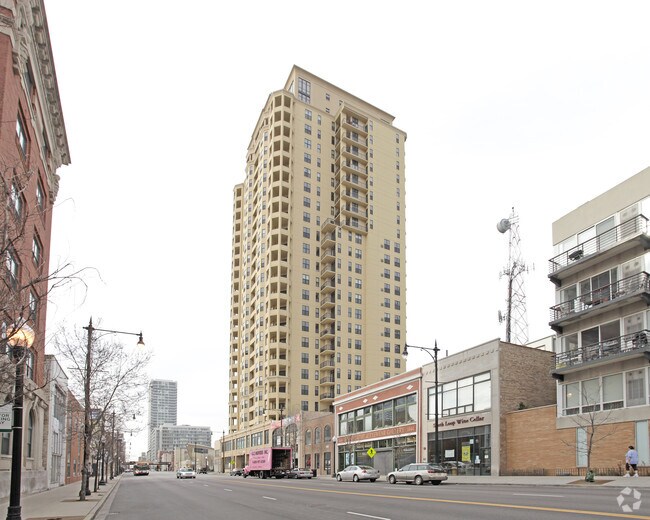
163	408
318	285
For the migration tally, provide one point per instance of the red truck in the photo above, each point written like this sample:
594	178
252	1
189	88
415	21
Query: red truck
268	462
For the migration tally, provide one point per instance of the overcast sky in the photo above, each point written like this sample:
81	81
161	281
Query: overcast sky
540	106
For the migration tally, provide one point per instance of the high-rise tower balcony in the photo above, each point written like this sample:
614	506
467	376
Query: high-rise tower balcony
328	255
627	235
355	139
327	347
327	333
355	125
327	396
354	182
328	286
328	243
327	318
354	153
327	302
327	365
328	270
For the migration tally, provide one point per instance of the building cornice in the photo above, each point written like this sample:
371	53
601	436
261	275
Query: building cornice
29	31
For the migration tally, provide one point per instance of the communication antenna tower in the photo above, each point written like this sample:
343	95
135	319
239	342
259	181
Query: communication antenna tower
515	317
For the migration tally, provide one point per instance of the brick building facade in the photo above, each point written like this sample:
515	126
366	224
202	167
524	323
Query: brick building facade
33	145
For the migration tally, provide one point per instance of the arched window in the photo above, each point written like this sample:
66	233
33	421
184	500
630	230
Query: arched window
277	437
291	435
30	434
316	435
327	433
308	438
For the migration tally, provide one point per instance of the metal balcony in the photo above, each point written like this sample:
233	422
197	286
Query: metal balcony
609	297
636	344
608	244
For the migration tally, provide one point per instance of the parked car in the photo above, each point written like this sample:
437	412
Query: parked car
418	474
300	473
203	471
186	473
357	473
236	472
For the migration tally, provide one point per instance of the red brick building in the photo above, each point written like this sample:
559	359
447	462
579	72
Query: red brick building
33	145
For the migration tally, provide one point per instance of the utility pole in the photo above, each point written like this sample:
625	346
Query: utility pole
112	442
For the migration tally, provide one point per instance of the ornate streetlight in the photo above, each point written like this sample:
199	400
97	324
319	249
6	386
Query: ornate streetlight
20	339
434	356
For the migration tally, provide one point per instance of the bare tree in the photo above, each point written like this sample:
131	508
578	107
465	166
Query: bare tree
110	376
596	422
26	283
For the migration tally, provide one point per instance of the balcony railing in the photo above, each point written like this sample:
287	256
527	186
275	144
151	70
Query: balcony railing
636	341
638	283
599	243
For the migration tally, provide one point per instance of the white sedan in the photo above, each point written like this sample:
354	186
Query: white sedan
357	473
186	473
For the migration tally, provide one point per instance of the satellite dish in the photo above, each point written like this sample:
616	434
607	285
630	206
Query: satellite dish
503	225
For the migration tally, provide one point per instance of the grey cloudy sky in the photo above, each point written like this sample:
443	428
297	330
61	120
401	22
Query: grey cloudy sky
537	105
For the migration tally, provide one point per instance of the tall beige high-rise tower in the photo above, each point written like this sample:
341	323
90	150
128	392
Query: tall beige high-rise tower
318	270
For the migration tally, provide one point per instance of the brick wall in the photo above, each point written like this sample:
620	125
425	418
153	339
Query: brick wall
532	441
524	380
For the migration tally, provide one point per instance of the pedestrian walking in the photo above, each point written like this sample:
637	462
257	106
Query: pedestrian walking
631	461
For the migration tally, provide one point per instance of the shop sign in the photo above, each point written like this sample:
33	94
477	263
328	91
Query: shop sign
462	421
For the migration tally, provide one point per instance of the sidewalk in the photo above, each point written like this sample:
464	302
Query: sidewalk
640	482
62	502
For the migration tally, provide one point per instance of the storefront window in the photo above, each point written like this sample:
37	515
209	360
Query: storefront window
463	452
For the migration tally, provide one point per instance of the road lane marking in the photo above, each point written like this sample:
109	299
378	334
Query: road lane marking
462	502
226	489
269	498
367	516
536	495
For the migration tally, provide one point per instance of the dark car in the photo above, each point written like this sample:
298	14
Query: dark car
203	471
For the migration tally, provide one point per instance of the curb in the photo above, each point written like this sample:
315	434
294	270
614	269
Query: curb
100	504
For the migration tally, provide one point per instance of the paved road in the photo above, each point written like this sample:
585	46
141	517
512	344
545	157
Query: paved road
161	496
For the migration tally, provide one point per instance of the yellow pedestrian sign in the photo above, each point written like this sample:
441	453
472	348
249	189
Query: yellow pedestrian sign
371	452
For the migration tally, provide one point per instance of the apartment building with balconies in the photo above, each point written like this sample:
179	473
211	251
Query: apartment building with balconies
318	264
602	318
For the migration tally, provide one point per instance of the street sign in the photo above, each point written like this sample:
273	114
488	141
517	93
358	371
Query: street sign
5	417
371	452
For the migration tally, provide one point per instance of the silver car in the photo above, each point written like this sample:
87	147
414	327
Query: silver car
357	473
186	473
418	474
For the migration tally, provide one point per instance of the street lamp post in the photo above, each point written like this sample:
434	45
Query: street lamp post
434	356
85	479
20	339
223	454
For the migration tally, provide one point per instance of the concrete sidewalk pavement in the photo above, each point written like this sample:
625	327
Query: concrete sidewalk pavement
639	482
62	503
